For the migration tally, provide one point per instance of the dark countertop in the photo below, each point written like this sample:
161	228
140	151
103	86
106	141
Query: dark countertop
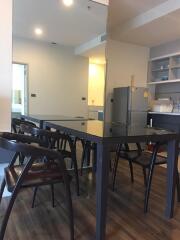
166	113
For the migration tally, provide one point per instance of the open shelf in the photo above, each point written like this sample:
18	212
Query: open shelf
164	82
164	70
174	66
160	69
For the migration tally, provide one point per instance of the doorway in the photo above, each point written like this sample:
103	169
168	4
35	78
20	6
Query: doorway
19	89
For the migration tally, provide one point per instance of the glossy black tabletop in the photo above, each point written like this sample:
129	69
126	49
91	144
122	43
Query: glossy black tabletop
101	130
38	117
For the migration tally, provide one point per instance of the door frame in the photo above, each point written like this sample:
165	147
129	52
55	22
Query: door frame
26	85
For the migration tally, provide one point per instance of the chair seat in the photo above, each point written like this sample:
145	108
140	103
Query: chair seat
39	174
145	158
129	155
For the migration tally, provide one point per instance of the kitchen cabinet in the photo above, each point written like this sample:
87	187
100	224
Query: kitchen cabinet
170	121
165	69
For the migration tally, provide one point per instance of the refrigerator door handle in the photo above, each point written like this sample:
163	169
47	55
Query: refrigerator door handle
129	118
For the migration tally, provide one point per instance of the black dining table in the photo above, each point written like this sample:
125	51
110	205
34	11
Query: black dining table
105	135
40	119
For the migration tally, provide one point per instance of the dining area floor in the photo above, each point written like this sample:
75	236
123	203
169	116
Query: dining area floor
125	217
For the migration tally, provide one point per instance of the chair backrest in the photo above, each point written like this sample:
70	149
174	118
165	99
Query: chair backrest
20	143
52	139
16	122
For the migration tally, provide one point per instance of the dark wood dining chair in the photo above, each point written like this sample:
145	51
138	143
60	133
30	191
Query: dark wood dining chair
33	173
147	160
59	142
16	122
90	153
89	149
15	128
122	151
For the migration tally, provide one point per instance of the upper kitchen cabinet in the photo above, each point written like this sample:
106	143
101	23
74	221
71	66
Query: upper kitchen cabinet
164	69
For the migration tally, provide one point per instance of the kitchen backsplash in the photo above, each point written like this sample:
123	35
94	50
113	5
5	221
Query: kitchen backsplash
168	90
171	90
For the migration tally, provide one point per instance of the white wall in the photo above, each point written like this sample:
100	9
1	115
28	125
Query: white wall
165	49
124	60
96	84
56	75
5	64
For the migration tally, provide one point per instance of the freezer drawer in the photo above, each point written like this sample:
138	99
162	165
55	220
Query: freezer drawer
138	118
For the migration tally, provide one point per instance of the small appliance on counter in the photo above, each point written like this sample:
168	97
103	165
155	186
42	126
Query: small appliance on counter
162	105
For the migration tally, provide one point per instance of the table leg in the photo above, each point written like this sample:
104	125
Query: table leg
171	177
102	172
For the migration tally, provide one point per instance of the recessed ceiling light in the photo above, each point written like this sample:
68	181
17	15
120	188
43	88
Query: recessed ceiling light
38	31
68	3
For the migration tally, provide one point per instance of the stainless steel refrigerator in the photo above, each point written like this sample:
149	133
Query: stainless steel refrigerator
130	105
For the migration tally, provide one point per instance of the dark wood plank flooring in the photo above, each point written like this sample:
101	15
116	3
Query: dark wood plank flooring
126	220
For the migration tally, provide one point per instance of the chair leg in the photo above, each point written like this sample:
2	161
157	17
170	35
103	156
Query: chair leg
8	212
34	196
75	143
52	194
13	197
3	184
69	205
83	158
145	176
65	145
149	181
131	171
178	186
76	173
115	170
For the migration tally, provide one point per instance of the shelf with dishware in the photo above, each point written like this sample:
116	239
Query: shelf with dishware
165	69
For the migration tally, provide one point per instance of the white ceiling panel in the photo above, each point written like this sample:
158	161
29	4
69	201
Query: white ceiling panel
67	26
148	23
121	11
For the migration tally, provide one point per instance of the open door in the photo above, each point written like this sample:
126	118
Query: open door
19	90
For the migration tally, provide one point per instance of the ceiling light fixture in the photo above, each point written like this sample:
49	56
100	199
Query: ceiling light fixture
68	3
38	31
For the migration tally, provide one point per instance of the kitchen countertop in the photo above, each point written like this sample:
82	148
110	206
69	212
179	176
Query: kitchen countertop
166	113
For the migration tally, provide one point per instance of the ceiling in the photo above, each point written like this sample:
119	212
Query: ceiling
162	30
86	20
120	11
72	26
144	22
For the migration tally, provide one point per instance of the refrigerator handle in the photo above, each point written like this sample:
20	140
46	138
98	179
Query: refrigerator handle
129	117
129	104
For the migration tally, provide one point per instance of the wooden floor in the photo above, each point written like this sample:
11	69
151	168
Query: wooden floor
125	221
